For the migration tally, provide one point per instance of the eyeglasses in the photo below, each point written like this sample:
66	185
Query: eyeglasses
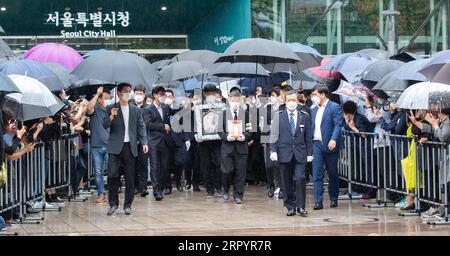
12	121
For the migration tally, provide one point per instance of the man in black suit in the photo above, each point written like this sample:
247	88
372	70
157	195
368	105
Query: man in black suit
142	162
127	130
158	130
234	147
291	145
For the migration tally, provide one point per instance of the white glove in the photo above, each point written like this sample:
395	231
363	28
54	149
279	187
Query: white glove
241	138
309	159
188	145
274	156
230	138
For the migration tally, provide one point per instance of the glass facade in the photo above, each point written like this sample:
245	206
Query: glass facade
339	26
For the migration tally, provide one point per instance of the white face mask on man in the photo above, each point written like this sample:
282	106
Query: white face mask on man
139	98
126	96
291	105
168	101
315	100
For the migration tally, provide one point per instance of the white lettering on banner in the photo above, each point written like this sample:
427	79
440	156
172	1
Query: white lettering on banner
221	40
88	34
96	19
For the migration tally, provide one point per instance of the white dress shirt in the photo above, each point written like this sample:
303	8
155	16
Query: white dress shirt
126	118
318	121
160	111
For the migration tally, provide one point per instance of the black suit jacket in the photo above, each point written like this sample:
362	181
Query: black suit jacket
157	136
136	129
241	146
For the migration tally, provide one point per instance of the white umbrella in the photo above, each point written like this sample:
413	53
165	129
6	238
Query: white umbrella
425	95
35	100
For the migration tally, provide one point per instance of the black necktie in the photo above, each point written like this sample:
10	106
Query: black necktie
235	115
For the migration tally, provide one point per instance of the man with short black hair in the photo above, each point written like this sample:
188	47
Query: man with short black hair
327	127
156	118
127	130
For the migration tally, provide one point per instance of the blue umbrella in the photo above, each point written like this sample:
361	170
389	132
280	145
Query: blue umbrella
35	70
93	52
249	84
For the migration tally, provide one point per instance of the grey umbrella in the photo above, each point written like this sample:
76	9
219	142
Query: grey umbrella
261	51
5	51
443	76
62	73
239	70
160	64
378	70
435	64
410	71
34	101
375	53
350	65
391	85
181	70
204	57
115	67
7	86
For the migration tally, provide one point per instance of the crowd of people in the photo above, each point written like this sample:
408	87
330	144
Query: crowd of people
280	139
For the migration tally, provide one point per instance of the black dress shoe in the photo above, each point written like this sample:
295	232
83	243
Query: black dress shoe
167	191
302	212
318	206
280	195
158	197
196	188
179	187
271	192
291	212
333	204
144	193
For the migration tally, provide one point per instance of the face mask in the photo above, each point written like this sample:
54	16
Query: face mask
162	99
253	100
126	96
273	99
168	101
234	105
315	100
291	105
107	102
139	98
210	99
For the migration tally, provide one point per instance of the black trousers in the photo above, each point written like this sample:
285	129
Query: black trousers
293	182
210	164
192	165
177	161
272	170
158	167
126	162
141	178
234	164
255	163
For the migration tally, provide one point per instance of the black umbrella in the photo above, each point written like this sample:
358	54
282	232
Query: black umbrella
114	67
406	57
160	64
392	86
240	70
182	70
256	50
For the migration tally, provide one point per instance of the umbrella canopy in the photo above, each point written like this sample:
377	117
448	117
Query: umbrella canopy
320	75
378	70
238	70
443	76
62	73
113	67
310	57
258	50
35	70
350	65
425	95
375	53
160	64
391	86
267	83
5	51
204	57
93	52
182	70
35	100
55	53
7	86
410	71
406	57
435	64
356	93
